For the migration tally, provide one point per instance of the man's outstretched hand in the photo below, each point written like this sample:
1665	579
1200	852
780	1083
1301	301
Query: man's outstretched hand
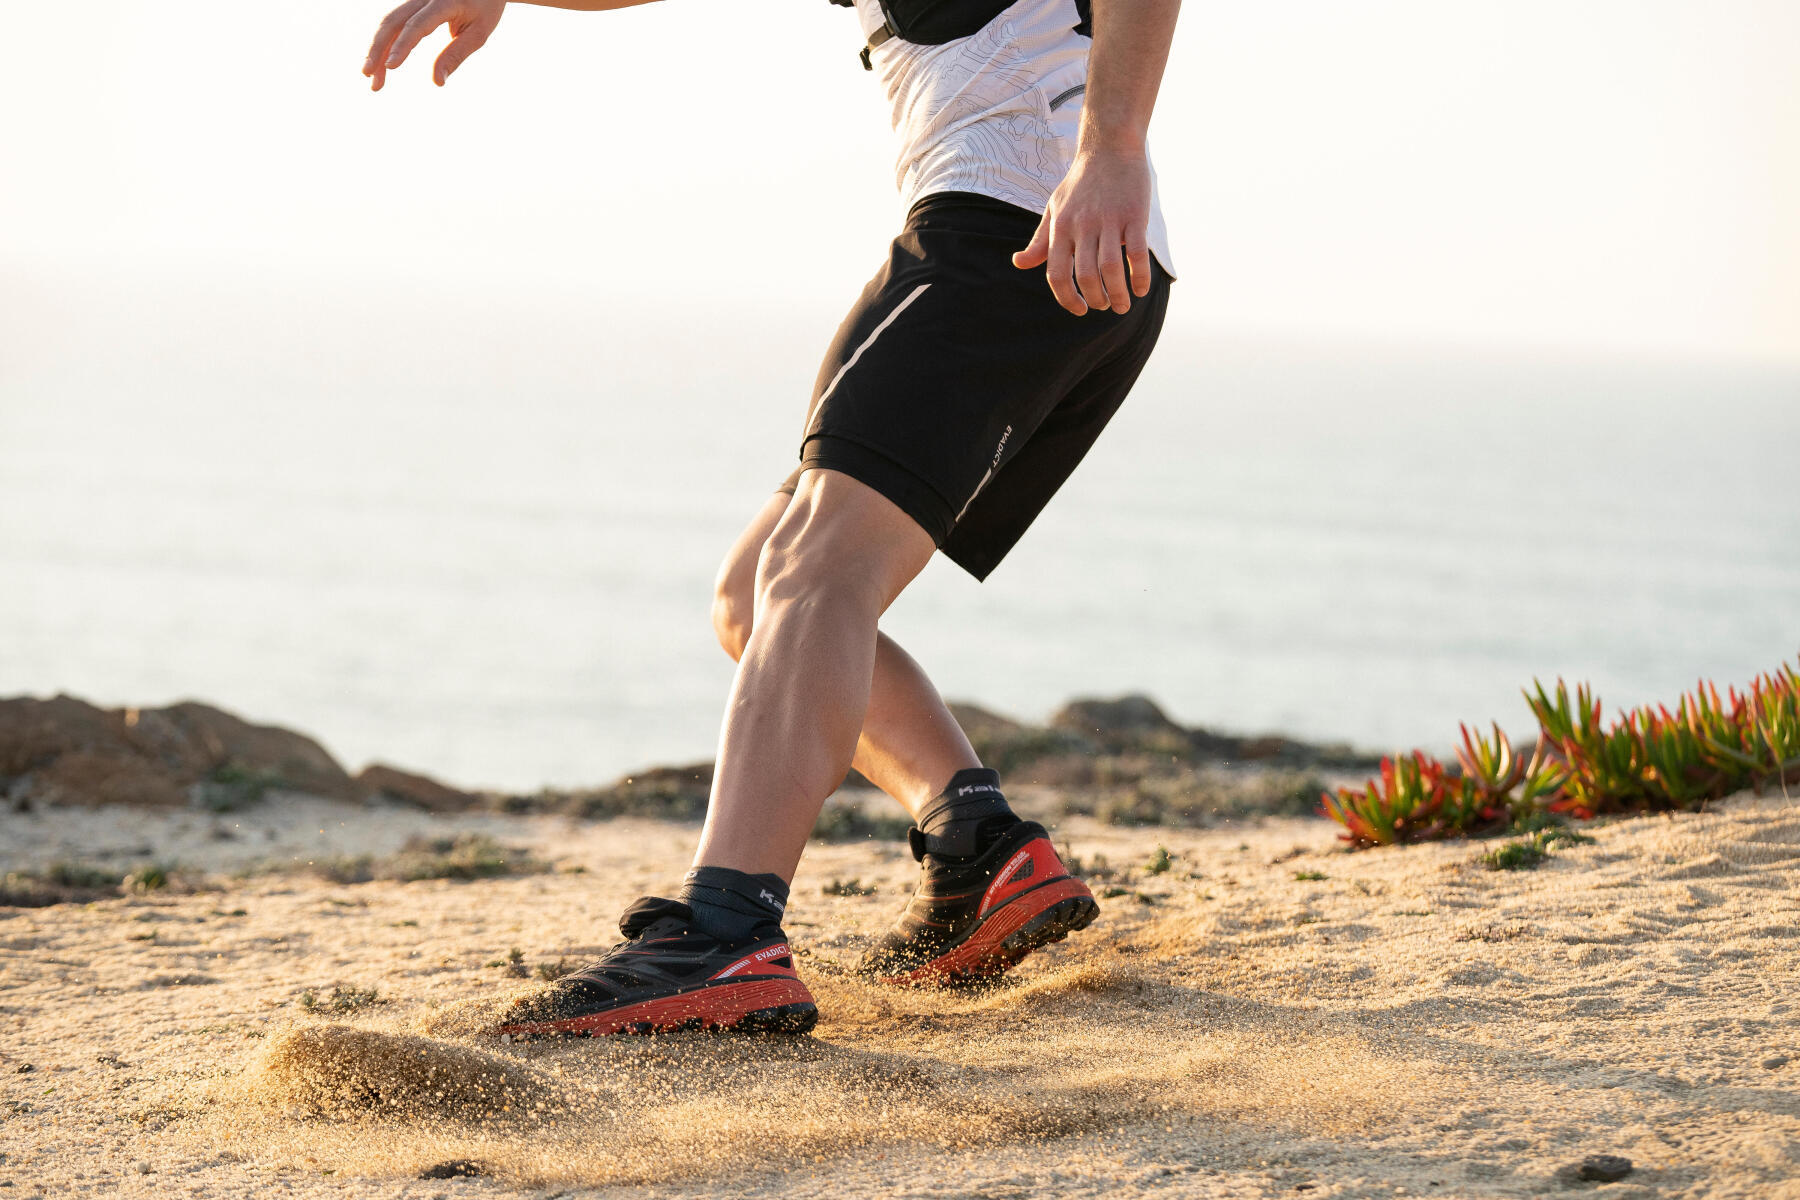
1102	206
470	21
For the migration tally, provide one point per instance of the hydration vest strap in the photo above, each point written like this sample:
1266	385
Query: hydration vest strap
875	39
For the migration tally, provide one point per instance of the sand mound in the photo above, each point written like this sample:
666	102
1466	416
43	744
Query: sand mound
339	1070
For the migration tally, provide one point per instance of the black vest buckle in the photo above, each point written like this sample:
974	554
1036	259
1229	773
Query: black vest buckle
875	39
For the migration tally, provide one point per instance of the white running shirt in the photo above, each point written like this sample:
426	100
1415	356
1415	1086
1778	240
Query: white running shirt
996	113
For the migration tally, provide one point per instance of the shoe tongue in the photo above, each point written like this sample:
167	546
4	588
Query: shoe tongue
647	911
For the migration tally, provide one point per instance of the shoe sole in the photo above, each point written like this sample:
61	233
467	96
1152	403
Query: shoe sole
1025	923
749	1006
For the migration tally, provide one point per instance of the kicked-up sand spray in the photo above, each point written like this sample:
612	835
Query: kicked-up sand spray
1093	1045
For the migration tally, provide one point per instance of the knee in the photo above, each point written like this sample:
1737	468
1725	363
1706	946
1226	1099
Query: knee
734	591
734	606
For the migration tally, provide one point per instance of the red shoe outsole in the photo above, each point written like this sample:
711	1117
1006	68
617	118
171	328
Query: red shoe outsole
994	948
764	1005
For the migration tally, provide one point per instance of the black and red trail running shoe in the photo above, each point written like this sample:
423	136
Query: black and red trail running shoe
668	975
973	918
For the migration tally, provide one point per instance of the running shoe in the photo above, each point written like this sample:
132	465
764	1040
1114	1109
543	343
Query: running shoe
971	919
668	974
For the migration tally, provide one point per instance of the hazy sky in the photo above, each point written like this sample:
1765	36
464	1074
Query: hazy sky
1596	174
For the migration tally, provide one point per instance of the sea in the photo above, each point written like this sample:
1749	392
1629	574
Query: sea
474	533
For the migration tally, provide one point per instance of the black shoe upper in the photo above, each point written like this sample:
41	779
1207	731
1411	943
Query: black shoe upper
664	952
947	904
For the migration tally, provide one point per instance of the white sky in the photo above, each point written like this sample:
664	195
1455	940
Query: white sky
1610	175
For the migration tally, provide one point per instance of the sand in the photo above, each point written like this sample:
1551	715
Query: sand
1271	1016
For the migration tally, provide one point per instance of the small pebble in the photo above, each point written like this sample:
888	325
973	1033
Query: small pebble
1604	1168
26	1068
456	1168
144	1168
1774	1062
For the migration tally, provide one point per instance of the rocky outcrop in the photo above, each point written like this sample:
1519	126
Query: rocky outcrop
666	793
1133	722
1122	759
1135	725
67	751
378	781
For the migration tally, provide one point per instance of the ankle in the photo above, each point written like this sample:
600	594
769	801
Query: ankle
732	905
968	816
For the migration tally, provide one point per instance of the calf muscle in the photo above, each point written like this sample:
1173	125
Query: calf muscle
837	557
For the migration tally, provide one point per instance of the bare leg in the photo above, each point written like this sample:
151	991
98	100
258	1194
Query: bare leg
910	745
837	557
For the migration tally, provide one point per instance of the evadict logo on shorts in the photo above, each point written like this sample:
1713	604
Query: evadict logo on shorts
1001	448
998	451
770	897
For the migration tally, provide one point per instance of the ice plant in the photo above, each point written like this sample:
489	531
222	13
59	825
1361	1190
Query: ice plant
1416	799
1494	767
1650	759
1774	705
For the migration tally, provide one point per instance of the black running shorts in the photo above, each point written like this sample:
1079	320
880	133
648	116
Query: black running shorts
960	389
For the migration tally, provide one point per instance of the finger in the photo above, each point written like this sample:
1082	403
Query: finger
1059	271
426	19
1087	271
464	44
1112	274
1038	250
375	65
1137	252
384	37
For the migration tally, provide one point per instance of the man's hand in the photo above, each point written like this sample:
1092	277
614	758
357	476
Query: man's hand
1104	200
470	21
1102	205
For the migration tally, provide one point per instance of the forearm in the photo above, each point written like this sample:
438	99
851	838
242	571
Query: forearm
1125	69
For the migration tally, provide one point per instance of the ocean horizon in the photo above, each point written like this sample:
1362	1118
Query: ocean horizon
487	553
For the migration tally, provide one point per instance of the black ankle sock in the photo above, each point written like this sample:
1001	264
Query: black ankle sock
731	905
967	815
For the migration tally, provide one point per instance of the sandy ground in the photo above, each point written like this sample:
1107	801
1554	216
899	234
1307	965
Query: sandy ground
1236	1026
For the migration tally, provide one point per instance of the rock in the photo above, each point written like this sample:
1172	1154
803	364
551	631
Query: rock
456	1168
380	781
1007	745
980	723
292	760
1136	723
67	751
1775	1062
1267	746
1129	720
663	793
1603	1168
